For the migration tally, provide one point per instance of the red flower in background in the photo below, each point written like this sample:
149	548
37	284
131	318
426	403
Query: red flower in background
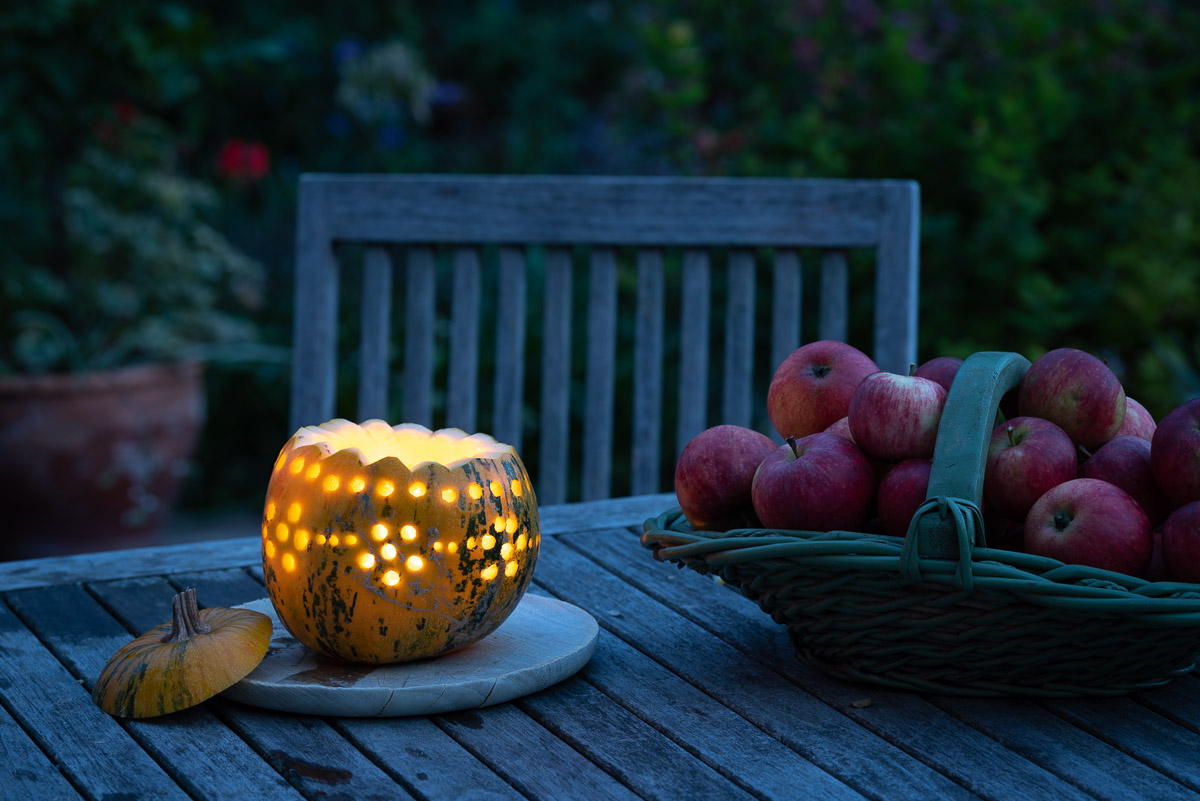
243	160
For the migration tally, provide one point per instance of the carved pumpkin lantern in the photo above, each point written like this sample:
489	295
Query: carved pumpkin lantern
386	544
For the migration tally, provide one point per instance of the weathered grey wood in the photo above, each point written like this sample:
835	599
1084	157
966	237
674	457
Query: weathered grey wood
306	751
601	375
314	322
530	758
431	763
243	551
738	379
462	385
509	381
833	322
603	210
556	379
219	765
1149	738
615	739
786	306
373	368
647	373
782	709
897	277
940	741
1085	761
25	772
94	752
514	212
420	315
694	306
753	760
542	642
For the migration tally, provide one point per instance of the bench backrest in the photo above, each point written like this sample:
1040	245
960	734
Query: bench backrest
456	224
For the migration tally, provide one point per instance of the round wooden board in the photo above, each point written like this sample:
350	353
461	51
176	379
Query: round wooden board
543	642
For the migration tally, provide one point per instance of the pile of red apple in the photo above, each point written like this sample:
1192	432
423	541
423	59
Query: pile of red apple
1075	470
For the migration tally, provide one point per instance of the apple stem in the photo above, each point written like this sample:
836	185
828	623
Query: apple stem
1061	521
912	369
1082	453
791	441
1012	440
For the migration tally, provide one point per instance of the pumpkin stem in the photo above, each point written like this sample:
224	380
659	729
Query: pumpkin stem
185	618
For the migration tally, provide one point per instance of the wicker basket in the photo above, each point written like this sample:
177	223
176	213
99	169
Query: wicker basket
938	611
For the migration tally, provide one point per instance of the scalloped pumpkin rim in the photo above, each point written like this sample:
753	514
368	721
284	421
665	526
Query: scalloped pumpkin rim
330	437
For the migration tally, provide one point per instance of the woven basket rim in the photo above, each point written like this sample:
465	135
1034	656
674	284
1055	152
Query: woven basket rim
1037	579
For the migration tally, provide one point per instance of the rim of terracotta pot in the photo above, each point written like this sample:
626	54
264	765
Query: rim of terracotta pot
94	381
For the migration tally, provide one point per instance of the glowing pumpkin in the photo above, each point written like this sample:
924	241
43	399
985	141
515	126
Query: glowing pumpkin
385	544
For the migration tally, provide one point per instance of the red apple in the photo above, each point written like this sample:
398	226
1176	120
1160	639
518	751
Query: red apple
1077	392
1175	453
714	474
821	482
841	427
1138	422
812	387
1091	522
941	369
901	491
1125	462
1181	544
1027	456
895	417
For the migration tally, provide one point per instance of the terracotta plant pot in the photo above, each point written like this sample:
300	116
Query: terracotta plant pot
93	461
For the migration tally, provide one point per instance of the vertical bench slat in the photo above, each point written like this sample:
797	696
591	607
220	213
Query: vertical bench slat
739	340
647	373
510	348
419	325
897	275
314	323
373	368
556	379
786	305
462	381
601	371
693	337
835	278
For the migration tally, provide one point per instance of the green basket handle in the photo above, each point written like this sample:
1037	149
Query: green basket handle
950	524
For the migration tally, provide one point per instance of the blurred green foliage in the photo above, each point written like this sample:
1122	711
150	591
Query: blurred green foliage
1055	144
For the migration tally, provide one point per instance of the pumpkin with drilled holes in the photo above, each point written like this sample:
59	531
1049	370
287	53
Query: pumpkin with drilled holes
387	543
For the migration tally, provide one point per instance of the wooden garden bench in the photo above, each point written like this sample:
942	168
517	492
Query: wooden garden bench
671	228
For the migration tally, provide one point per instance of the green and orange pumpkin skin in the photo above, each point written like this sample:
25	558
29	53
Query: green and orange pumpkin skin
379	563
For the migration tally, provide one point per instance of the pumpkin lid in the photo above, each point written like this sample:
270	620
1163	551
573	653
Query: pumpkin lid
412	444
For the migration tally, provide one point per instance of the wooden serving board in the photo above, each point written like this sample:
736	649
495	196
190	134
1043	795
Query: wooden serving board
543	642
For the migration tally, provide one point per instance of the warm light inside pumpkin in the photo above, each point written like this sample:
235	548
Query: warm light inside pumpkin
425	529
413	445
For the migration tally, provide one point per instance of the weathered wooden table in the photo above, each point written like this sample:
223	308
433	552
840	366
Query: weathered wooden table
693	693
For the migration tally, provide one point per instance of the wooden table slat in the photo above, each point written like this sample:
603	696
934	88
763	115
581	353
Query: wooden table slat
857	757
219	764
427	759
532	759
716	734
946	744
25	772
1087	762
94	752
624	745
